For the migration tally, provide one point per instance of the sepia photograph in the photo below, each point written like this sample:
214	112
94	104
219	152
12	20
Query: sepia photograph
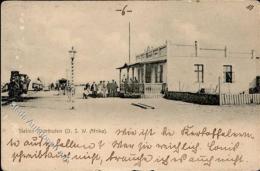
130	85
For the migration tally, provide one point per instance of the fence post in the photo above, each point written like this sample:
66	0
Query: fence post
219	91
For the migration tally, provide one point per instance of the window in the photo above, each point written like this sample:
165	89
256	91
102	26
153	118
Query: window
199	71
228	74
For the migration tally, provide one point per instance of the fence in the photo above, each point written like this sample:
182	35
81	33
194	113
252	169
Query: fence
132	88
147	90
153	90
238	99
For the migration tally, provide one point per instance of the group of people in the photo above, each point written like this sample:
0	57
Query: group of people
131	85
102	89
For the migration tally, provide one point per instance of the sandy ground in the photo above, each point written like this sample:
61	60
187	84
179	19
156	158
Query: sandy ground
49	106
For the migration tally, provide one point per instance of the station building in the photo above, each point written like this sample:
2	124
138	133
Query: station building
190	68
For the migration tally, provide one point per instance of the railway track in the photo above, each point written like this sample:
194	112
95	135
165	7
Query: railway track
5	100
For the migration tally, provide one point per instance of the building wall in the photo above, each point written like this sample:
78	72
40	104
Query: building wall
181	74
258	67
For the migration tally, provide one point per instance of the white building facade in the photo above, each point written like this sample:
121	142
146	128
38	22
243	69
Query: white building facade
198	68
191	68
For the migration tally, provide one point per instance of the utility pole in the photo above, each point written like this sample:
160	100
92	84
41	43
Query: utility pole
67	83
129	44
123	12
72	53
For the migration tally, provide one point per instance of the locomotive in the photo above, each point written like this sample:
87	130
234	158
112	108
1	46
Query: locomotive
19	84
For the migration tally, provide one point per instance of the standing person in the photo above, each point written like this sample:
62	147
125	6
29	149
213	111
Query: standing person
126	86
59	89
52	86
87	85
94	89
86	91
109	89
99	89
123	85
63	87
123	79
115	89
104	89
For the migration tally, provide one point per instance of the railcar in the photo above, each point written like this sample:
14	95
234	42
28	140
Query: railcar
18	85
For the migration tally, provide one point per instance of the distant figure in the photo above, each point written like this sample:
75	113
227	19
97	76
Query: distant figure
104	89
126	85
100	89
109	89
87	85
94	89
115	87
59	89
52	86
86	91
123	79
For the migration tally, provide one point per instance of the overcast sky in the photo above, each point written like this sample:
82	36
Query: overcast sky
36	36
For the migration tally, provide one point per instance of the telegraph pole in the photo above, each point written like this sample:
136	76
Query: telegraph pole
129	44
67	83
72	53
123	12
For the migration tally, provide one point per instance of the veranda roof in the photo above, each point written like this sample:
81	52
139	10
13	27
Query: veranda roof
140	63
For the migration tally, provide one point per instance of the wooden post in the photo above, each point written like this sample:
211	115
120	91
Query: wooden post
144	75
196	48
119	77
252	54
225	51
219	90
129	45
72	52
133	72
127	74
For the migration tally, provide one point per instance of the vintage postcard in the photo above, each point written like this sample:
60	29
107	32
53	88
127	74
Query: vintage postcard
130	85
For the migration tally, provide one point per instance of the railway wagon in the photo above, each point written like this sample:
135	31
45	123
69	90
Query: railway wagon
18	84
